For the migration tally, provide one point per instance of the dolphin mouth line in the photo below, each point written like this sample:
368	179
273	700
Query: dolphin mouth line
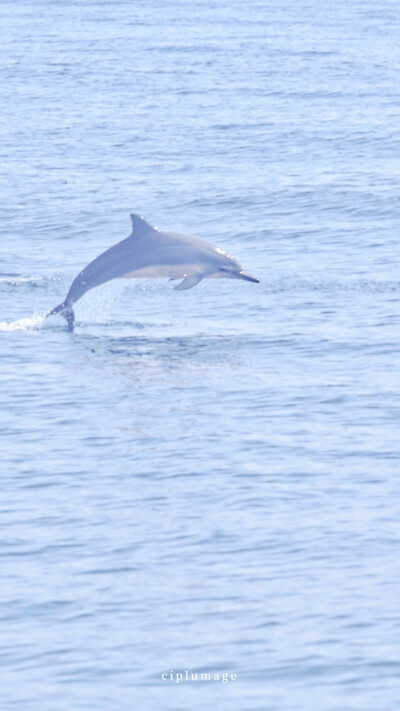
248	277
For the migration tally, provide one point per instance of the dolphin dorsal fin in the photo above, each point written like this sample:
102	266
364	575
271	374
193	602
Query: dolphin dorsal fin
139	225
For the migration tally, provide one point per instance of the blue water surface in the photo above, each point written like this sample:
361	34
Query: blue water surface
204	480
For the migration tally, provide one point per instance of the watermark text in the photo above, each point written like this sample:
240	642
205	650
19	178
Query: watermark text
186	675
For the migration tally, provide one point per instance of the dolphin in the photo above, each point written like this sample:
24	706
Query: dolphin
149	252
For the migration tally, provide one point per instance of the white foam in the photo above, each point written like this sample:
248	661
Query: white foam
23	324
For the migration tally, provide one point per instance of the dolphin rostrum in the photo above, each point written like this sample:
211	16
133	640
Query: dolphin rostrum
148	252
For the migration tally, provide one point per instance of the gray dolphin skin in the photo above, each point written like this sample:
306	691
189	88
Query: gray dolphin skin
148	252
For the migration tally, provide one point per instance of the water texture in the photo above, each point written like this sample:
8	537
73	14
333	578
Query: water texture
203	480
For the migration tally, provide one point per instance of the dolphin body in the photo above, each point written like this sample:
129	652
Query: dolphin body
149	252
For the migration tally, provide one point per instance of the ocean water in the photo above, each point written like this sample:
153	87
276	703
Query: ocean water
202	481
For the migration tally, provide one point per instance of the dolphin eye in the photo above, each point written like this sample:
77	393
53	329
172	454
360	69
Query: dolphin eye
223	269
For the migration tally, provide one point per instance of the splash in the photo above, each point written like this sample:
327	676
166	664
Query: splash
23	324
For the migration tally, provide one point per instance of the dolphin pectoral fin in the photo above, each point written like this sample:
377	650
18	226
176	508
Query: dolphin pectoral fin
189	282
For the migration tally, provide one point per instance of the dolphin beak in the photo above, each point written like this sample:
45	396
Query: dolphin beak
243	275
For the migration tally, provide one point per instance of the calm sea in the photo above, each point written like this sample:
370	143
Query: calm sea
202	481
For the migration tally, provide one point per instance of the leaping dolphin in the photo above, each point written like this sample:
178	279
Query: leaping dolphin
149	252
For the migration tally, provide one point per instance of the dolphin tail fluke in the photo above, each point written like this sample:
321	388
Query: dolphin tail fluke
65	310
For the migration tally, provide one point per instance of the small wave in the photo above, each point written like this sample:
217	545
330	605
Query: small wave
361	286
17	280
22	324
